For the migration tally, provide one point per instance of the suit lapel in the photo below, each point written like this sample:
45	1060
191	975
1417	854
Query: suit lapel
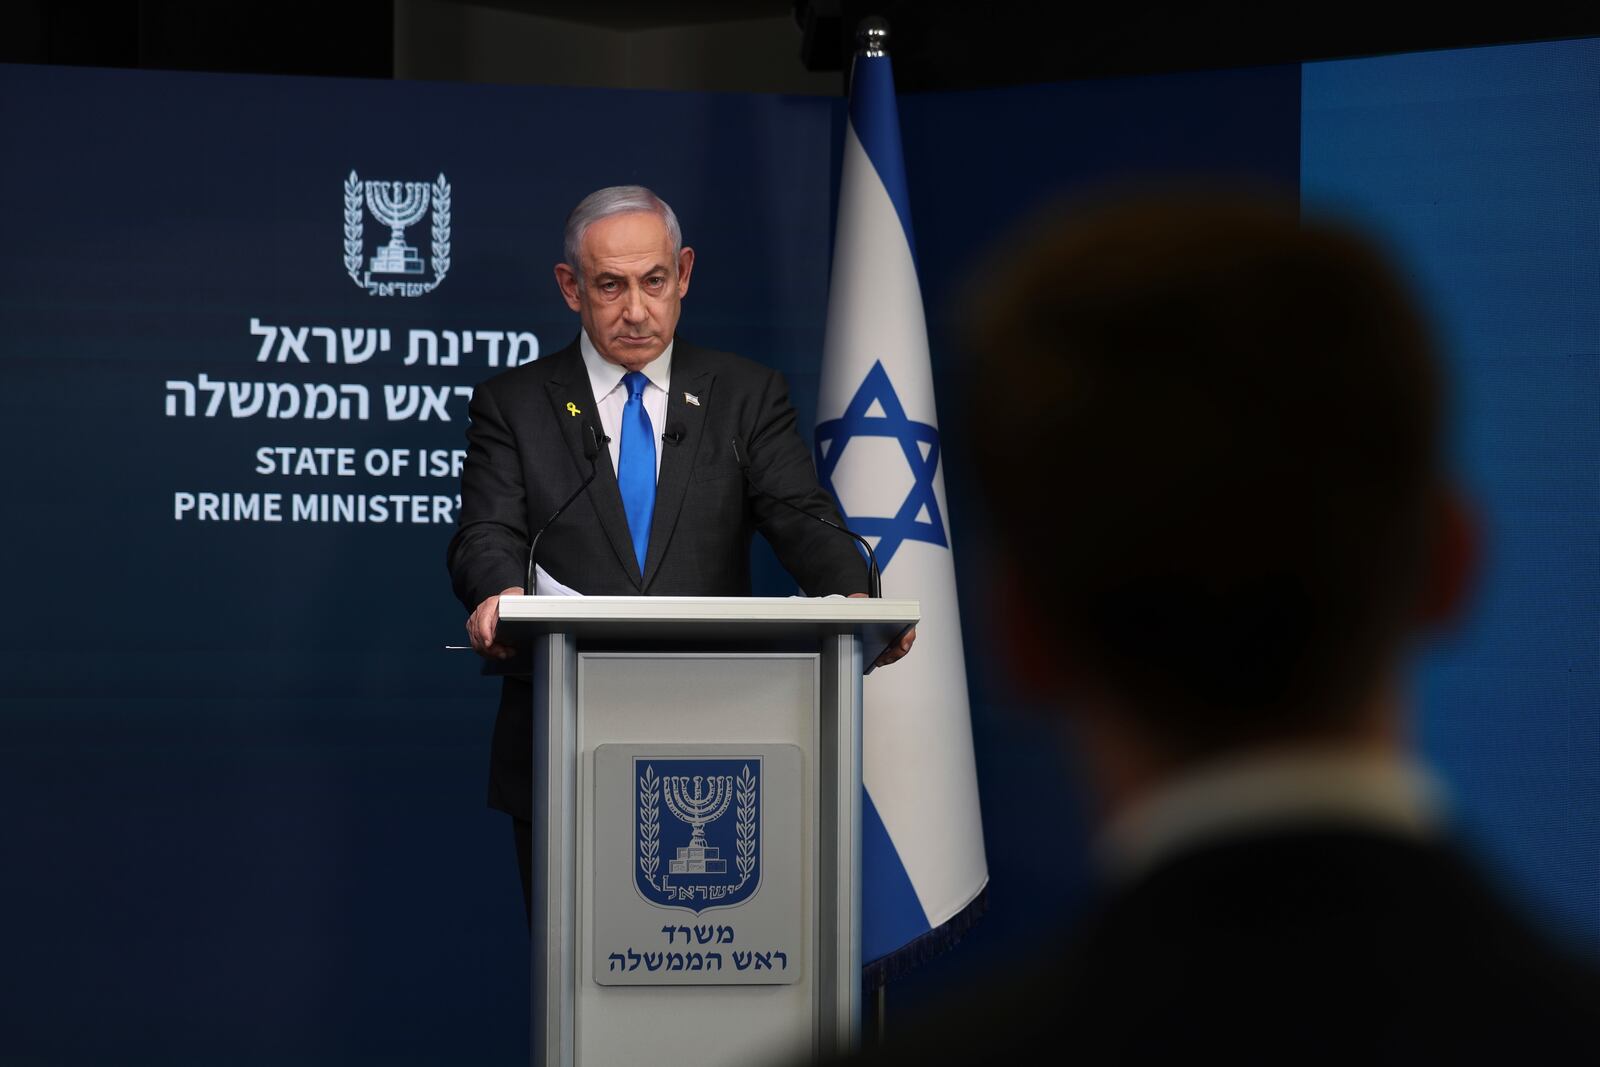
570	385
677	461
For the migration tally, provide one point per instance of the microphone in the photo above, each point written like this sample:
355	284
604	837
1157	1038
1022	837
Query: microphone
674	433
874	578
591	452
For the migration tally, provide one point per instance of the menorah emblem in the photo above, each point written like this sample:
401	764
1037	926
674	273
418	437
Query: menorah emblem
397	205
718	802
707	802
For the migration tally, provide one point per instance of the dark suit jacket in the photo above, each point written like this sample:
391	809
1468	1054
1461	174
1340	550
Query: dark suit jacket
525	455
1321	944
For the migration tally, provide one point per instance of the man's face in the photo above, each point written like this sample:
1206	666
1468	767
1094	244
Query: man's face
628	287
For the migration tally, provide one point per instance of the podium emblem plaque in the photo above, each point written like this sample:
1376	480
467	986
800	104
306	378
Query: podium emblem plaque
698	872
697	831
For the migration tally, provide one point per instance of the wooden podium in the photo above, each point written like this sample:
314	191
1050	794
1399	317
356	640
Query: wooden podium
697	824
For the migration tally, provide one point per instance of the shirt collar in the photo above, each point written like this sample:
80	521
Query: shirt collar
1240	797
605	376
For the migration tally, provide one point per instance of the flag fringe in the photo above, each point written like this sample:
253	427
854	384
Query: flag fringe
929	946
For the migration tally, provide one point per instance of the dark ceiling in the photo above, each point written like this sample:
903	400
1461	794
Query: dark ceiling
645	14
936	45
947	45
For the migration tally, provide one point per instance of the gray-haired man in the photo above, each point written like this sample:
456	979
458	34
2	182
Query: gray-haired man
671	513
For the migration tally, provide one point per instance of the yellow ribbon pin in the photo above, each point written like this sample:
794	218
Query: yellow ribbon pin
572	409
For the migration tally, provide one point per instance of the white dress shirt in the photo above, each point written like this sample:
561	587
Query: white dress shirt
1247	795
611	396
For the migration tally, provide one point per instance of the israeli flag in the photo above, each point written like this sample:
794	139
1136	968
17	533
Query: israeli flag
878	452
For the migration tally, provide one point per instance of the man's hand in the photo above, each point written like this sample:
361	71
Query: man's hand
898	649
481	624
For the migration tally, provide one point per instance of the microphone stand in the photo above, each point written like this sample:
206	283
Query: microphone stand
592	452
874	577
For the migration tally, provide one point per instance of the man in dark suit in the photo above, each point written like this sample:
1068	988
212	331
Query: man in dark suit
1233	525
671	510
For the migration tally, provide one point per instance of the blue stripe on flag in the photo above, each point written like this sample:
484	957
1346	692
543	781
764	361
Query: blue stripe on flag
891	914
877	125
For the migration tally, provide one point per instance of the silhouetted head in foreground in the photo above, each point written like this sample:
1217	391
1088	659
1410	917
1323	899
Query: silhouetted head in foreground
1211	435
1219	485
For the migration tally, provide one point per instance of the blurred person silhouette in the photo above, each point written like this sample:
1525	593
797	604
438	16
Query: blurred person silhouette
1233	527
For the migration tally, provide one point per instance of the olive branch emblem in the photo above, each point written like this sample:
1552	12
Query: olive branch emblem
650	825
441	229
745	817
354	225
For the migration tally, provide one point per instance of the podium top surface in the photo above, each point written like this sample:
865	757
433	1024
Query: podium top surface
553	614
879	622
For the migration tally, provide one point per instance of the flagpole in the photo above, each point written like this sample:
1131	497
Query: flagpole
872	39
878	452
872	36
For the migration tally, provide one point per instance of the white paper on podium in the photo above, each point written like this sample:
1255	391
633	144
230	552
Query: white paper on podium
544	585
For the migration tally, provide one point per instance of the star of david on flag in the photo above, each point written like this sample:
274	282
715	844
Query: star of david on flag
924	872
875	411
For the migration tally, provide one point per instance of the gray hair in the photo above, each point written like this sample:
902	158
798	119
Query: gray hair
615	200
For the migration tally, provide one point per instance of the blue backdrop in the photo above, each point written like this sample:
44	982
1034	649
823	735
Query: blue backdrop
243	785
1482	169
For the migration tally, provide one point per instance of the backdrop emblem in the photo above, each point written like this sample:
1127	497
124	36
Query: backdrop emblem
697	831
395	267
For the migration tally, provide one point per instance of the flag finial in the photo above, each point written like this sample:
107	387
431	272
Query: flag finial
871	36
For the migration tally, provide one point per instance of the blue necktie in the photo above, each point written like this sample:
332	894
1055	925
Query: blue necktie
636	465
